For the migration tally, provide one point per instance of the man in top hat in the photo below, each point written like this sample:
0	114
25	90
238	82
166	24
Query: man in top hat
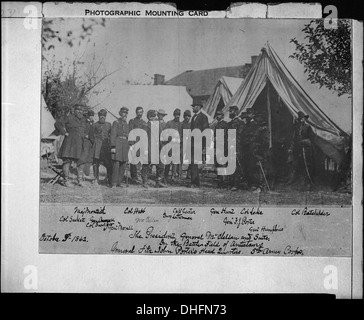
300	155
185	125
175	124
136	123
221	124
201	122
101	152
119	147
147	167
73	128
235	124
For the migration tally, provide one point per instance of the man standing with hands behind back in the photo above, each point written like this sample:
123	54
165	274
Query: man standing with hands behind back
201	122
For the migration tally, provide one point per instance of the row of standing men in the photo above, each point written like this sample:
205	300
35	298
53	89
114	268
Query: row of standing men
89	144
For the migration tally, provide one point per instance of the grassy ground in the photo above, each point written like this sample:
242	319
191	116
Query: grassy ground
180	194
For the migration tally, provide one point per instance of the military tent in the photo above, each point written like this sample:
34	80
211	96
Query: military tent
270	88
47	130
148	96
224	90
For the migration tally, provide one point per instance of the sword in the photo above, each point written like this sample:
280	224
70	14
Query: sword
265	179
304	160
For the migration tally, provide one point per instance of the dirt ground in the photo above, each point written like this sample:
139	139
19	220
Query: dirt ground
179	193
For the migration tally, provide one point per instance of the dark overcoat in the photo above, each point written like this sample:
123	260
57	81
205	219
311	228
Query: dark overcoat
101	132
119	140
72	145
88	141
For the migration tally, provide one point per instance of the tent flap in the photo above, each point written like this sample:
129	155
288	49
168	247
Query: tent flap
269	67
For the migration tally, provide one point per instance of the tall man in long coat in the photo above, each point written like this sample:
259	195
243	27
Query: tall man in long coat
201	122
119	147
136	123
73	128
101	154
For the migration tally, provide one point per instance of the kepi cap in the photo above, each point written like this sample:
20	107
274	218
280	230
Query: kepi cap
102	112
123	109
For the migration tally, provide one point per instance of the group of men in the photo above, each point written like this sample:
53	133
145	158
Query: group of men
254	154
89	144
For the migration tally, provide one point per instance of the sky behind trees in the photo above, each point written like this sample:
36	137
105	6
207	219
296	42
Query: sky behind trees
139	48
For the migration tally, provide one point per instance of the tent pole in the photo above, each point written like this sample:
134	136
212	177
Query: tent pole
269	116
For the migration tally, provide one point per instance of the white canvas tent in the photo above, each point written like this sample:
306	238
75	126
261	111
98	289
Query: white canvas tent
269	69
47	122
224	90
148	96
48	139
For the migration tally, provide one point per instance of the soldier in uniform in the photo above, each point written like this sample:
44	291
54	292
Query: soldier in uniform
260	154
250	144
87	155
101	150
222	125
185	125
73	128
119	147
176	125
136	123
300	152
244	146
161	178
235	124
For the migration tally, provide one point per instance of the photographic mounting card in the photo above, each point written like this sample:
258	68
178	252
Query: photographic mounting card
154	56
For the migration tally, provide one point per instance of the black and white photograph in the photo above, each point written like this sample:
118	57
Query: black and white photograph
278	85
216	136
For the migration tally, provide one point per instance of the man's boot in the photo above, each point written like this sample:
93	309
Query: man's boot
96	174
66	172
145	183
80	177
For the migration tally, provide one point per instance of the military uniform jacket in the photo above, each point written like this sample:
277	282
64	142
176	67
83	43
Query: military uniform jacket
119	140
137	123
73	142
87	150
301	132
236	124
176	125
101	132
